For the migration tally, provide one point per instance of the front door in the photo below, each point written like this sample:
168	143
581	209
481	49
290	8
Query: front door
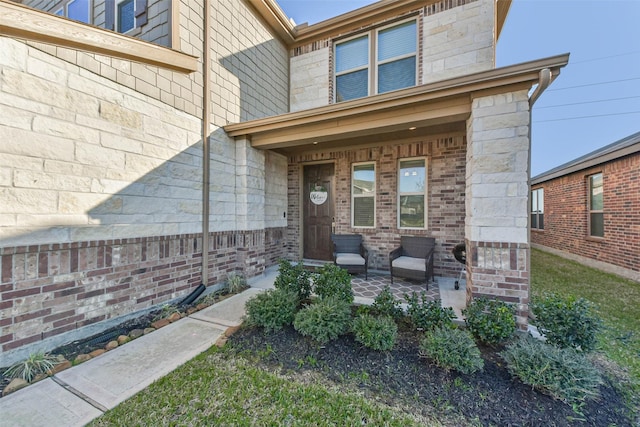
318	211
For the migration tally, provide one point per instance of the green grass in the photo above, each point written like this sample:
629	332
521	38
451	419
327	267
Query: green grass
618	301
221	388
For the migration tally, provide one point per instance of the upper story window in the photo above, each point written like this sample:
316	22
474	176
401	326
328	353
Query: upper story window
379	61
596	205
124	16
363	195
537	209
412	193
78	10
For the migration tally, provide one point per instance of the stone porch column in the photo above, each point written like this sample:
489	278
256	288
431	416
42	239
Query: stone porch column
497	191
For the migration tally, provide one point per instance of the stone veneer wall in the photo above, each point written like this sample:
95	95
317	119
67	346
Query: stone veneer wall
445	203
497	190
566	218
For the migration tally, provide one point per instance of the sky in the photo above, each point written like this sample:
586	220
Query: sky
596	99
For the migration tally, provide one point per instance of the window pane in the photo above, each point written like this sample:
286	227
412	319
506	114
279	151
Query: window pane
59	12
363	213
534	201
597	200
534	220
352	54
541	221
352	85
412	175
397	75
396	41
126	18
597	224
412	211
79	10
364	179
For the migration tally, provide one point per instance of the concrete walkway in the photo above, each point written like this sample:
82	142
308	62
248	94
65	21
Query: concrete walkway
77	395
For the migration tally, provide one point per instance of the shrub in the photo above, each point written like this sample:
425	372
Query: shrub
452	348
331	281
236	283
567	322
385	304
561	372
34	365
426	314
293	278
490	321
272	309
377	333
324	320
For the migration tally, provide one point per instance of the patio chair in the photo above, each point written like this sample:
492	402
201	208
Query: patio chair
350	254
413	259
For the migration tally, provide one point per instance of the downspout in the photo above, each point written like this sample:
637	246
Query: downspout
206	149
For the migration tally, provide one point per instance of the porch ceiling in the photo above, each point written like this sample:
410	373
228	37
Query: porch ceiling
441	107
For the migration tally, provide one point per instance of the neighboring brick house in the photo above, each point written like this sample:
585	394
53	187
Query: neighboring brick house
589	208
396	110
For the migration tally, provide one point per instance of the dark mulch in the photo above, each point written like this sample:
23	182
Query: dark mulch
401	377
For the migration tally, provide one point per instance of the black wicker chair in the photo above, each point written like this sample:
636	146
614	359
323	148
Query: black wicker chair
350	254
413	259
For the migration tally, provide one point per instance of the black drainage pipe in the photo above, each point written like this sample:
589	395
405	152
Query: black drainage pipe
193	295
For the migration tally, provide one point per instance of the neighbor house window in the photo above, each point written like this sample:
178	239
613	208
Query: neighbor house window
125	15
363	195
78	10
596	205
537	209
379	61
412	190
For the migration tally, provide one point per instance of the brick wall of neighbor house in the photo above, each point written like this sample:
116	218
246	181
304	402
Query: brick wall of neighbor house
446	187
457	39
497	200
101	182
566	214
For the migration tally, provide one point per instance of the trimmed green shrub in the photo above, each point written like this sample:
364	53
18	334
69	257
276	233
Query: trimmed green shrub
293	278
377	333
272	309
385	304
34	365
452	348
324	320
332	280
560	372
490	321
567	321
427	314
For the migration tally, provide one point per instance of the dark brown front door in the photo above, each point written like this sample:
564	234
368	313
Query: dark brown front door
318	211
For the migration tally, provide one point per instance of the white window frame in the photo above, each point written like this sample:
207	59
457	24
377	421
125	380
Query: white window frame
590	209
537	194
354	196
373	64
117	17
424	193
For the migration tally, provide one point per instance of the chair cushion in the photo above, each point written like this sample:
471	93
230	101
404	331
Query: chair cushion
408	263
349	259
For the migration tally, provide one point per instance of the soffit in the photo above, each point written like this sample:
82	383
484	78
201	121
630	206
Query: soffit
432	108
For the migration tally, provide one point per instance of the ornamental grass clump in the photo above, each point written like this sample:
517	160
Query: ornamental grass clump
562	373
567	321
333	281
452	348
324	320
36	364
377	333
490	321
293	278
272	309
427	314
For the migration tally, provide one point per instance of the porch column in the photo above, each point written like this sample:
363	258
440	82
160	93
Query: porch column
497	191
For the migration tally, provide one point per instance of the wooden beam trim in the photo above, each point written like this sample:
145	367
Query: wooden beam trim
30	24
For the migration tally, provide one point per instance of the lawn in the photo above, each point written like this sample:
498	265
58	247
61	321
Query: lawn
292	383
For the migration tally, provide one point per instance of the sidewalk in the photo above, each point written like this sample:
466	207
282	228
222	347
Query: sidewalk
77	395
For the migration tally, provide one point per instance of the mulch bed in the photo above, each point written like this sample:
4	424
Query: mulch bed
401	378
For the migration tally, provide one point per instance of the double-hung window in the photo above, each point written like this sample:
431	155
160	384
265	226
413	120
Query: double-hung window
412	191
363	195
537	209
78	10
596	205
124	16
378	61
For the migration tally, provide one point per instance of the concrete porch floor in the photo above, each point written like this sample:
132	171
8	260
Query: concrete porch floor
365	290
